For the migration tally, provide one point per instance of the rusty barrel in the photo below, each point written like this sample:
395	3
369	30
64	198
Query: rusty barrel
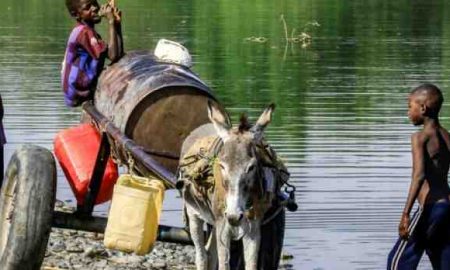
155	104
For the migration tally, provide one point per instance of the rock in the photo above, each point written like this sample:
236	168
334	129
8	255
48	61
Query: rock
100	253
59	204
58	246
119	260
188	249
183	259
159	264
69	233
74	247
89	252
101	264
135	259
286	256
110	267
63	265
112	252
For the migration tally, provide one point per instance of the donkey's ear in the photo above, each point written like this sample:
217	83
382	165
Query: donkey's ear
263	121
220	120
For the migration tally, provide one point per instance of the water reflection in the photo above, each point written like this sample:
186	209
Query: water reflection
341	116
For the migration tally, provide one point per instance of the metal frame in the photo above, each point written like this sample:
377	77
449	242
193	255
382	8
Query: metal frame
96	178
98	224
82	219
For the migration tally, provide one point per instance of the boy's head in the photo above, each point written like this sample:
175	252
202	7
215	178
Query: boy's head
424	101
84	10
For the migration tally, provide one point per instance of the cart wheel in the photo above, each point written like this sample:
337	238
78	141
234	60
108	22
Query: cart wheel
26	208
272	238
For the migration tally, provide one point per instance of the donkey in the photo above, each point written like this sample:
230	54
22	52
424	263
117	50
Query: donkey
236	206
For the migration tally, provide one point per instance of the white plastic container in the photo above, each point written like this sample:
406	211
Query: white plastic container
173	52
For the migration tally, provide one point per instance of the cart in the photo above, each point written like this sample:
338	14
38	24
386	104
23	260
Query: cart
144	109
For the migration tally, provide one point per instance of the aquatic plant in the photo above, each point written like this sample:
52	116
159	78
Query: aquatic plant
303	38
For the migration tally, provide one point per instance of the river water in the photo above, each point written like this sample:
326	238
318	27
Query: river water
340	121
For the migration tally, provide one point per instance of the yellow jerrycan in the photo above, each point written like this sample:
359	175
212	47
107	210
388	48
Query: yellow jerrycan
134	214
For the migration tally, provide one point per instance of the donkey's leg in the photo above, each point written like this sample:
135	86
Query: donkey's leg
198	237
251	242
223	244
211	249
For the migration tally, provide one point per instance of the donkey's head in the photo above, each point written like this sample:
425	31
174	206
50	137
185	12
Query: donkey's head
238	159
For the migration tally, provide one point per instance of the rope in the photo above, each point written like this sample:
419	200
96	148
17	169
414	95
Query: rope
271	217
189	163
290	189
114	154
130	163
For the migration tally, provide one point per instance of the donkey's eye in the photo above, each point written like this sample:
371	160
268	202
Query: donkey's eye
250	168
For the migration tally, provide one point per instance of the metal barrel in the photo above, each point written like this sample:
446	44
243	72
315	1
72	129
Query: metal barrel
155	104
149	164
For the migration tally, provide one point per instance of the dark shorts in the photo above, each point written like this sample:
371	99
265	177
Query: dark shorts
430	233
2	134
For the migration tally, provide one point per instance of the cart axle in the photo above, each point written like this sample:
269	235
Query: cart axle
98	224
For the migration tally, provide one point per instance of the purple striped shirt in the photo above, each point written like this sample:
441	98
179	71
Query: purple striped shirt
83	60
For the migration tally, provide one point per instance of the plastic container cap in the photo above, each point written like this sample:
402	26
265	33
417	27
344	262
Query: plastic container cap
173	52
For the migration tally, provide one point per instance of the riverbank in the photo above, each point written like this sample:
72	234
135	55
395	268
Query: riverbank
70	249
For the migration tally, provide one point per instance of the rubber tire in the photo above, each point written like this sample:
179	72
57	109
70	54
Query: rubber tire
272	238
32	171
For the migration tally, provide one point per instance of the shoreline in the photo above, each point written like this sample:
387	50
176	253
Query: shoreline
71	249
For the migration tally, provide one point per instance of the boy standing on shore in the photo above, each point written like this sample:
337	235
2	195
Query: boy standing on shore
2	142
429	228
86	51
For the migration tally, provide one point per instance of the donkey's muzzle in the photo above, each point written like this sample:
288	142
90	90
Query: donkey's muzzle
235	220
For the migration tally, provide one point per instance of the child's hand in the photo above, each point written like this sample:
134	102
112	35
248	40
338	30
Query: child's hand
106	10
111	12
403	227
117	14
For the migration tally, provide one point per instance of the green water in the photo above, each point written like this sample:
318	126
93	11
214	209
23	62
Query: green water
340	121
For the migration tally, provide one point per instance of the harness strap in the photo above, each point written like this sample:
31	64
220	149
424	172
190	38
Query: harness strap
216	146
273	216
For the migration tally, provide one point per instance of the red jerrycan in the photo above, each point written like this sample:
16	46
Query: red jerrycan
76	150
